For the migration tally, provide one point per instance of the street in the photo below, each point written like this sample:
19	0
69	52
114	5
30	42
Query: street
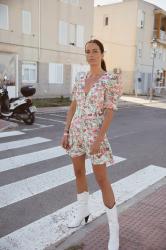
36	178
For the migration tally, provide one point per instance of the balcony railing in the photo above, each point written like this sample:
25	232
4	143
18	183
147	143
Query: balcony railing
162	35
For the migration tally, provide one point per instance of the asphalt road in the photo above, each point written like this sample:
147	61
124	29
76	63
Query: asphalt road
137	134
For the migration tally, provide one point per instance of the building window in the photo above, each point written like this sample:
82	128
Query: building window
164	55
160	53
29	72
4	18
71	34
106	19
55	73
65	1
140	49
141	19
74	2
26	22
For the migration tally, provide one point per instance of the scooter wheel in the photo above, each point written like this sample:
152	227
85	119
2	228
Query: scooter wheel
30	120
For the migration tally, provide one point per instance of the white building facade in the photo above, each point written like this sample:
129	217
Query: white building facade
127	30
42	43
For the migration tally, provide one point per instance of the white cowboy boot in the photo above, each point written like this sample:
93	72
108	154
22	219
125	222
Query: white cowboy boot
112	216
82	211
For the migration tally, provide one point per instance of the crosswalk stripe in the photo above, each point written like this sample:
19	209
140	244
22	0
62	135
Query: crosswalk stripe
10	133
52	120
30	158
62	116
22	143
23	189
53	227
40	127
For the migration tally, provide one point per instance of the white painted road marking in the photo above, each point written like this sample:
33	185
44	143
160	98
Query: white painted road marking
62	116
22	143
52	228
30	158
10	133
52	120
40	126
23	189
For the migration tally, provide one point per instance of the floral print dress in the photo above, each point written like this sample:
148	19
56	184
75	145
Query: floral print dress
89	116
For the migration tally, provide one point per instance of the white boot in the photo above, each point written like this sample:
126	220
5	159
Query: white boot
82	211
112	216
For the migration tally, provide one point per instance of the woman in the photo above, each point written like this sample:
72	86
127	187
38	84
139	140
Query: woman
94	99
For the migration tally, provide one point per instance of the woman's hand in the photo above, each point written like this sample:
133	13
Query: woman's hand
95	147
65	141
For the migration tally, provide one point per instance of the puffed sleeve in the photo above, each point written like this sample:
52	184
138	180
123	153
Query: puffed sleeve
113	91
73	94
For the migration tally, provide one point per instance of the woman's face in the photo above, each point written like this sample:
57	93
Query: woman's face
93	54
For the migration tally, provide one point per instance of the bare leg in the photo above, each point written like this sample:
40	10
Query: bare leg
102	179
80	173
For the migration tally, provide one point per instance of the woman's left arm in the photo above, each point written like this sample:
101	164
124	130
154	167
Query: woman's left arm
108	116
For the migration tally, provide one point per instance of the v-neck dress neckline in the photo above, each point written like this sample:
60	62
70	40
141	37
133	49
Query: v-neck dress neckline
93	85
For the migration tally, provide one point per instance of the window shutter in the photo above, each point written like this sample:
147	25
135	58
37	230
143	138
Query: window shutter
63	33
140	49
59	73
4	23
55	73
26	22
80	36
52	73
72	34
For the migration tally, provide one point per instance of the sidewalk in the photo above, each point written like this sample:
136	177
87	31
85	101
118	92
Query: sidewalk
157	102
125	101
142	225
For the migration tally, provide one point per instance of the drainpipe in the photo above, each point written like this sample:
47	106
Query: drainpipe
16	77
39	29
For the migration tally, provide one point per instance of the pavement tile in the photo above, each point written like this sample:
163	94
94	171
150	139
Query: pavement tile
94	239
142	226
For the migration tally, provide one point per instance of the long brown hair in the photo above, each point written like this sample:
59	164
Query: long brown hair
100	45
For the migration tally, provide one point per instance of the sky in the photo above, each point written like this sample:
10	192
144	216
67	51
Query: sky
159	3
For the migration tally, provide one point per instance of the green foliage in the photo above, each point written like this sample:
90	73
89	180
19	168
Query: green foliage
52	102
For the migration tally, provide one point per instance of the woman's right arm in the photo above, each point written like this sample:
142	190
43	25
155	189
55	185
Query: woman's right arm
70	115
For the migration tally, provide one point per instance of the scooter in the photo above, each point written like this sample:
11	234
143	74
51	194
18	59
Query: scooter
20	108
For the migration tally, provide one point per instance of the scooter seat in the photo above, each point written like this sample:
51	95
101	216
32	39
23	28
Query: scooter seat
13	99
